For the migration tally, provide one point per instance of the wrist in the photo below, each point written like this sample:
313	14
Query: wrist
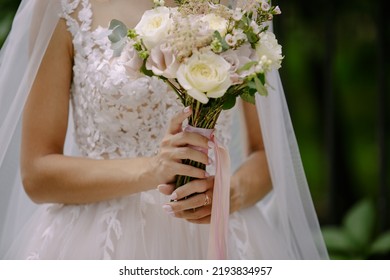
148	173
236	195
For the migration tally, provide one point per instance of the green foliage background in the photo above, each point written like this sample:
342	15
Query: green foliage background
307	31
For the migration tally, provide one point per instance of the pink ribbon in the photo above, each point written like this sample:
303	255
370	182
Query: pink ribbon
217	249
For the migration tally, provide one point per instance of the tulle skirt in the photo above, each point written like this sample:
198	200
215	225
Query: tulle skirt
136	227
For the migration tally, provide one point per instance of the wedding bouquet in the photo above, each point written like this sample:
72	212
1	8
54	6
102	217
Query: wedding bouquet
209	53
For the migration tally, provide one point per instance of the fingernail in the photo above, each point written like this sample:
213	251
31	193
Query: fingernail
173	196
168	209
211	144
210	161
206	174
161	187
187	109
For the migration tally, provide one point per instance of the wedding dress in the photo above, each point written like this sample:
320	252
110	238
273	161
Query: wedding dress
117	116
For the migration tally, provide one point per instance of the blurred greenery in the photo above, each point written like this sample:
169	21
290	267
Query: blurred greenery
342	35
7	13
356	237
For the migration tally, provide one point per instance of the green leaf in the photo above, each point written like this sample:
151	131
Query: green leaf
118	36
146	71
247	66
337	240
381	244
261	89
261	76
119	30
248	97
360	221
225	45
252	37
230	101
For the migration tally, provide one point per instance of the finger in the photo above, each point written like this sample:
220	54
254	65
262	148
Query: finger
166	189
194	214
204	220
191	154
195	186
175	125
195	201
188	170
190	138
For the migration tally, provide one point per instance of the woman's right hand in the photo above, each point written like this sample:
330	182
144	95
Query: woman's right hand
175	147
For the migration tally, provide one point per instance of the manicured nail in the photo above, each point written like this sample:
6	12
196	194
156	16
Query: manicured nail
161	187
210	161
211	144
187	109
173	196
168	208
206	174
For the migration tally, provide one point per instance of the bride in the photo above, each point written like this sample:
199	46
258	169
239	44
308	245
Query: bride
100	150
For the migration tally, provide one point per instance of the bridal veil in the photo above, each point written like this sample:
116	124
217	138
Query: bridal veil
288	209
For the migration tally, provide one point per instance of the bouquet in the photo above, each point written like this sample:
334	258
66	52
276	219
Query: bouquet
208	53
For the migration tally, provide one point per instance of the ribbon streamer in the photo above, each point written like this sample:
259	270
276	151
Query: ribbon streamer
217	249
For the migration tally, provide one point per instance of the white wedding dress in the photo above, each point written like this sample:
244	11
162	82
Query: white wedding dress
116	117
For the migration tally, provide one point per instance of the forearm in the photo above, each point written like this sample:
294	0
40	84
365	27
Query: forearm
71	180
251	182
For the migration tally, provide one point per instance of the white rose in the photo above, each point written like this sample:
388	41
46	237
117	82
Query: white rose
163	62
216	23
204	76
154	26
269	50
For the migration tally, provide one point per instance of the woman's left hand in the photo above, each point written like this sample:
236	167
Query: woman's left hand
192	202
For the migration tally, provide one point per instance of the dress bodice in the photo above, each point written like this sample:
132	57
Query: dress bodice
115	114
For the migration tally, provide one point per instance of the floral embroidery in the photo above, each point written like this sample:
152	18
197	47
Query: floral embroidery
115	116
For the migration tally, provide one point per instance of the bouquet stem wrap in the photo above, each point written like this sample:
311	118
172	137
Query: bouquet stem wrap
217	248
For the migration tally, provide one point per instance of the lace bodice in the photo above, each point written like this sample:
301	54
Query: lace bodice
116	115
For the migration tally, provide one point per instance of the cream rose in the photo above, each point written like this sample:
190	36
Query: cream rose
216	23
269	50
154	26
204	76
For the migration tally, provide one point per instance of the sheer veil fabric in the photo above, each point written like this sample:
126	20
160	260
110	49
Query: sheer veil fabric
288	210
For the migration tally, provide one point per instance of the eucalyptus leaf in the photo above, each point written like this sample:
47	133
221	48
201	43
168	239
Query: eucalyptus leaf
118	47
381	245
360	221
118	36
119	30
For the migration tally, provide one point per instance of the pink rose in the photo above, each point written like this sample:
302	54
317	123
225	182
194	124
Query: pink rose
163	62
237	59
131	60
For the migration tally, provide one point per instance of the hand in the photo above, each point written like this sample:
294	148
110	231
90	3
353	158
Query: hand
192	202
175	147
